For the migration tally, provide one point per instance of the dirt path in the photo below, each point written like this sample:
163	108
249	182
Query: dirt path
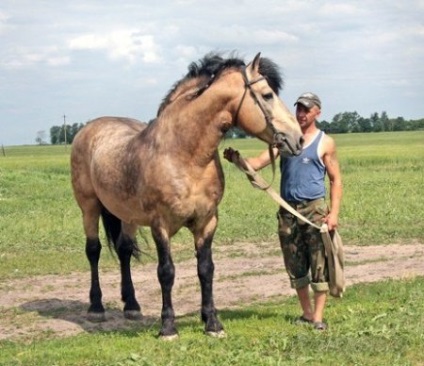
57	304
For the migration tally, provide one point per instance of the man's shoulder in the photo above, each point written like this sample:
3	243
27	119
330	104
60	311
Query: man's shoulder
328	145
328	141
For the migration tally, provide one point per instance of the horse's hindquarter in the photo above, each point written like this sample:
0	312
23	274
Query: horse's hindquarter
97	158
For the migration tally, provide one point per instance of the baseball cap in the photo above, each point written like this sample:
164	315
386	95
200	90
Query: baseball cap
309	100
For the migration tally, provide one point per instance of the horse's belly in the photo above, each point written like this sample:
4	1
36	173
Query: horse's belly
145	209
127	209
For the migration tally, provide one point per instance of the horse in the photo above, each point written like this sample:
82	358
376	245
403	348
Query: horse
167	174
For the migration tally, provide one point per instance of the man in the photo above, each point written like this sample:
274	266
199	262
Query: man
303	187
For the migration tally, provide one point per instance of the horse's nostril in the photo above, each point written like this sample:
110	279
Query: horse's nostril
301	141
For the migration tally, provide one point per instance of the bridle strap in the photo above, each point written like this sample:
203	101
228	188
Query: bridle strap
248	85
240	104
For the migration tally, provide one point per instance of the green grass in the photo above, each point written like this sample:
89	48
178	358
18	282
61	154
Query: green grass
383	176
375	324
41	230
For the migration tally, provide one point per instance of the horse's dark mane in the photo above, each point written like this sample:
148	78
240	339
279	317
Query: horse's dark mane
208	69
270	70
205	70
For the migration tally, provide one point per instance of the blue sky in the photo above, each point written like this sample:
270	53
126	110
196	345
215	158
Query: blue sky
91	58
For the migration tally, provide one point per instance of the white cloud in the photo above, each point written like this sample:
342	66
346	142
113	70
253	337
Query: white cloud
129	45
63	56
58	61
339	9
273	36
24	57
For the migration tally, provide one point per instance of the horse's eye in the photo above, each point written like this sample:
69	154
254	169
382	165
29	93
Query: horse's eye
267	96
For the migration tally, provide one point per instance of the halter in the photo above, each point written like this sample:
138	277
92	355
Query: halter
278	136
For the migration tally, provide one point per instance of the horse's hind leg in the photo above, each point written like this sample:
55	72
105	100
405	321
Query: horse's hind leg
91	214
96	311
166	276
126	248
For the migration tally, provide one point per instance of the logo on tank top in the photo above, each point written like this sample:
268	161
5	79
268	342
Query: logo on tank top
306	161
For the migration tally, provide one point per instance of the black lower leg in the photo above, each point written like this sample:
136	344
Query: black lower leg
125	250
166	276
205	270
92	250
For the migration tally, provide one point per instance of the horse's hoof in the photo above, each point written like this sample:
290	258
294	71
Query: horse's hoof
96	317
132	314
169	338
219	334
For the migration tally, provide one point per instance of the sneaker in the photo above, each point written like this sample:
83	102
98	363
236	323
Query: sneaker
302	320
320	326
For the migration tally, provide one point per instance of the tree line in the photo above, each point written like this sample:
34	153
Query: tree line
346	122
352	122
64	133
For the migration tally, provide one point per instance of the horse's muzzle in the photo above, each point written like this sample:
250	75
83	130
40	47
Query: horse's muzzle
287	146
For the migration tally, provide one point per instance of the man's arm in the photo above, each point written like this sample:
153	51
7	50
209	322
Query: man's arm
258	162
336	190
262	160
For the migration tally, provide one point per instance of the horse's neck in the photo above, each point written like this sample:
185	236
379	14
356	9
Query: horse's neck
194	131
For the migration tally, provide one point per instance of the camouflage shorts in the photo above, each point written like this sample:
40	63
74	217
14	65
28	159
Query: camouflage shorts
302	246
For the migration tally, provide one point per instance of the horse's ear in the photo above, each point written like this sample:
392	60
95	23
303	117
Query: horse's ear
255	62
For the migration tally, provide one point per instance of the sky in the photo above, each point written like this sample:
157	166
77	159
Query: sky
86	58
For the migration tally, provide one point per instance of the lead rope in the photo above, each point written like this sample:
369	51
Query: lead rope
335	259
258	182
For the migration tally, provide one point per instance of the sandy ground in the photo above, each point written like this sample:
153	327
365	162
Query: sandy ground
56	305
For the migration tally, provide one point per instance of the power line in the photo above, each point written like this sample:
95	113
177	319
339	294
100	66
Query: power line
64	129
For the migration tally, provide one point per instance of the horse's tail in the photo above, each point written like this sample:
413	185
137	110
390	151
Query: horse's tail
113	228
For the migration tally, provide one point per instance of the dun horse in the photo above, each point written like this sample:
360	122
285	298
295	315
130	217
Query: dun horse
167	174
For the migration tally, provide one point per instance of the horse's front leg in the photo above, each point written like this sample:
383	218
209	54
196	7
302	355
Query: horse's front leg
166	276
205	271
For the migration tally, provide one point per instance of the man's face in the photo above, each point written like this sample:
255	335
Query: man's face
305	116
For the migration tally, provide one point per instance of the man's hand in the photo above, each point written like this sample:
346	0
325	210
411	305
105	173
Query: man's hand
332	221
230	154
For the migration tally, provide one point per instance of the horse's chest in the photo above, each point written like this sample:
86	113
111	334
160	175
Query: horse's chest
199	198
196	197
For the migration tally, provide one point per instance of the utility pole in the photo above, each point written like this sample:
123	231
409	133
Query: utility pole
64	129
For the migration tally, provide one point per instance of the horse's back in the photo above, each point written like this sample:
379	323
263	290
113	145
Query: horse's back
107	125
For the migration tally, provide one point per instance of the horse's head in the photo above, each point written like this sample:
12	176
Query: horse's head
262	113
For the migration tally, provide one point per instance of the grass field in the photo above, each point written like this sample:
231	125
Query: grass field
378	324
40	223
383	175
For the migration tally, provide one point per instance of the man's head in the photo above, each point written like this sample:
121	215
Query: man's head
309	100
308	109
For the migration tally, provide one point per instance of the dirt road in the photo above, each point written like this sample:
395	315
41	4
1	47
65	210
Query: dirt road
58	304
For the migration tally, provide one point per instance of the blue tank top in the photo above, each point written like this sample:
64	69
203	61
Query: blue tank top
303	176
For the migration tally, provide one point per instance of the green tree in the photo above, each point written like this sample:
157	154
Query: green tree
345	122
385	121
365	124
74	130
399	124
324	126
376	124
55	134
417	124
